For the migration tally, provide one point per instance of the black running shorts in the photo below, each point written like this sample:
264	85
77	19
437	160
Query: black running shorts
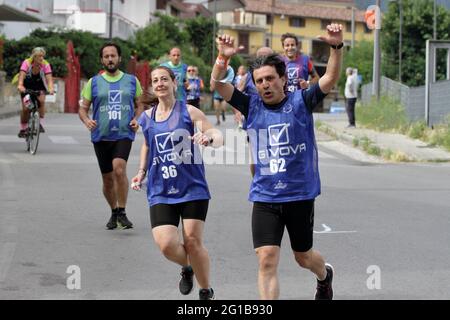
107	151
269	220
169	214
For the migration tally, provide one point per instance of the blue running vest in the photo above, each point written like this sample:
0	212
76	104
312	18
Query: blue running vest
113	108
284	150
296	70
175	167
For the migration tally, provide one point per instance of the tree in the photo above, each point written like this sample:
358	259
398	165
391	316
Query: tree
417	27
156	39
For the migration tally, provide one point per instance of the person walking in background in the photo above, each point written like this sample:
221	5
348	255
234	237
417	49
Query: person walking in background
179	69
116	107
351	95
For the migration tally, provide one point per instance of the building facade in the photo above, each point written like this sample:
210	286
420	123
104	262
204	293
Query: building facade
86	15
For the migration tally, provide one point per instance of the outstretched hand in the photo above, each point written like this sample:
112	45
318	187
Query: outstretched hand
225	45
334	34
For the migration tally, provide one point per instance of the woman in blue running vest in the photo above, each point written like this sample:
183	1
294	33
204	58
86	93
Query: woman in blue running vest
286	182
176	186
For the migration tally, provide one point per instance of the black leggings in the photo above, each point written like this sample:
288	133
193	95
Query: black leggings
269	220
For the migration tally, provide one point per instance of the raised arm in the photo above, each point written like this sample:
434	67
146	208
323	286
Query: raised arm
225	46
334	37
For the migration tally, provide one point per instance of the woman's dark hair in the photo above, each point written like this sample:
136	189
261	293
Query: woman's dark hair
171	74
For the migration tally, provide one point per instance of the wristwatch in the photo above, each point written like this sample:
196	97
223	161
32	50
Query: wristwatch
338	46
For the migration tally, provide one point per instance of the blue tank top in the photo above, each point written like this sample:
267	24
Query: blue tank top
194	93
175	167
295	70
113	108
284	150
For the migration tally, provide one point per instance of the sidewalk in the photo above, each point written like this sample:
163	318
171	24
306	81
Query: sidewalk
400	147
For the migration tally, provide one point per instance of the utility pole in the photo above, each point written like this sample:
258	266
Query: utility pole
213	54
110	19
271	24
376	53
214	33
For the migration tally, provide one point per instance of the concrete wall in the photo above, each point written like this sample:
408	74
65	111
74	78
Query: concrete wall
10	98
413	99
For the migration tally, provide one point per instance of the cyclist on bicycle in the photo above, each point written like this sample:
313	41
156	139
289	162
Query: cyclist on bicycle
35	74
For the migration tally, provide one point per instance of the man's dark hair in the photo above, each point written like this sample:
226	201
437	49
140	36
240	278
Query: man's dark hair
272	60
289	35
110	44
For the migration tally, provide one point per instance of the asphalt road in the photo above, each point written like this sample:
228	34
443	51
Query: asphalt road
384	227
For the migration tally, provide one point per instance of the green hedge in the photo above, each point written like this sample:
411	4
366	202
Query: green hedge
86	46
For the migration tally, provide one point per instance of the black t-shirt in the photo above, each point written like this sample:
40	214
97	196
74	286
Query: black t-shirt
312	97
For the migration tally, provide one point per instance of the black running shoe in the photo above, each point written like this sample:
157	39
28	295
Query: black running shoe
206	294
112	223
122	221
22	133
41	128
324	289
187	280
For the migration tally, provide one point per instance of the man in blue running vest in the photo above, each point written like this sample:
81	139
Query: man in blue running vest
286	182
115	99
298	65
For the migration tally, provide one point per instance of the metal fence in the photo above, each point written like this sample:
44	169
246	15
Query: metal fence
413	98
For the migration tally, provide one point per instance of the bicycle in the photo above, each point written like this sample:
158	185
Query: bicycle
32	134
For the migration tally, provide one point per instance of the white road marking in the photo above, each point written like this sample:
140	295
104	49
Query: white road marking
327	229
63	140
